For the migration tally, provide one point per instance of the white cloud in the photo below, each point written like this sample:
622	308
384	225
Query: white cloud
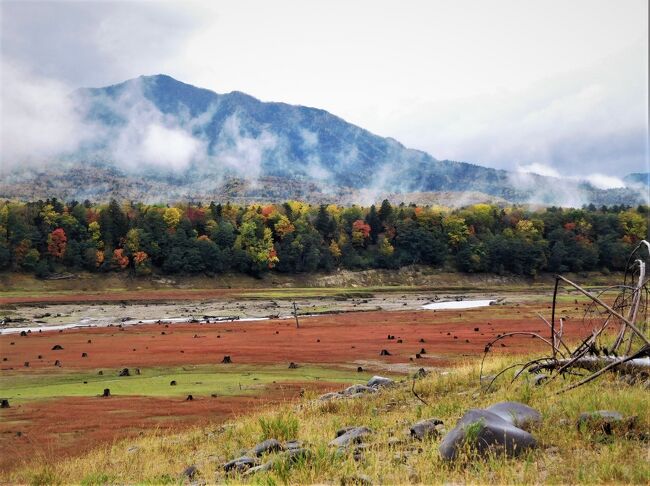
38	121
169	147
602	181
537	168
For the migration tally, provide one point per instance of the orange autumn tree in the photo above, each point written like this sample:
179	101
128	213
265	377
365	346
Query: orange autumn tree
120	259
57	242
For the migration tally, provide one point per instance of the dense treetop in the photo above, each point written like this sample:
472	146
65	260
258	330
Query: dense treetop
51	236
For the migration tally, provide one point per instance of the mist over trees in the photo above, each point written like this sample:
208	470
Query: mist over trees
51	236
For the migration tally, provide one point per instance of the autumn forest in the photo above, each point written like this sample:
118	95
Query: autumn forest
48	237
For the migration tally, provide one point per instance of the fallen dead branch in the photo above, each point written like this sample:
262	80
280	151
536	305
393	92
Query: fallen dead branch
615	327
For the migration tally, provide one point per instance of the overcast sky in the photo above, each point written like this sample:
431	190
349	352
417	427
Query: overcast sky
554	86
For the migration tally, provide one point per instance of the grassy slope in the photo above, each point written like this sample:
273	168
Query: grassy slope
196	380
565	455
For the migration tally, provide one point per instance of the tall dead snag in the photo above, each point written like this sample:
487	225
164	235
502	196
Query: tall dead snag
615	328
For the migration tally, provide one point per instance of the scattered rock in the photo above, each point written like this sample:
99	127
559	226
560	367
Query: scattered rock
40	356
399	341
418	356
517	414
356	480
605	421
107	392
293	366
359	369
84	355
423	351
26	364
57	363
426	428
4	403
422	340
240	464
355	389
172	383
100	372
57	347
124	372
189	398
293	444
390	337
226	360
189	472
23	333
485	431
330	396
270	445
353	435
384	352
380	381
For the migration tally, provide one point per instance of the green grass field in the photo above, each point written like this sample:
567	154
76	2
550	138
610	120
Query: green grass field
195	380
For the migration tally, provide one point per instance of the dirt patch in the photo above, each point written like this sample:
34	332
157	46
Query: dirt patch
53	429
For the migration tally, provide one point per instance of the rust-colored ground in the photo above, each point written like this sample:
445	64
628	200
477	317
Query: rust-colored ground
54	429
333	339
65	425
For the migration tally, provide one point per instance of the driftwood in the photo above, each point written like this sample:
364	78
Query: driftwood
598	352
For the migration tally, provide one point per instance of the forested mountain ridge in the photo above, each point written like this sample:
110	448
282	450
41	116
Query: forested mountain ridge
155	136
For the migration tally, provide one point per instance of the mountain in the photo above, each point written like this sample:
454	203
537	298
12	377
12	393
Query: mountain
639	179
156	137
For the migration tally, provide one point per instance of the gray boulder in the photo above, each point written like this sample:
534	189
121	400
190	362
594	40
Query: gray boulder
426	428
240	464
605	421
356	389
270	445
380	381
330	396
353	435
517	414
483	431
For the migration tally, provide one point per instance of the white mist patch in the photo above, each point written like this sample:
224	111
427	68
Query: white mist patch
171	148
537	168
602	181
458	304
242	152
39	121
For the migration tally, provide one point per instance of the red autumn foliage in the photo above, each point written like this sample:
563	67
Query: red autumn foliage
120	259
267	211
362	227
195	215
139	257
57	242
570	226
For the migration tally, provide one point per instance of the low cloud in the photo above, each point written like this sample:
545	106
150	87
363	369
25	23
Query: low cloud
39	121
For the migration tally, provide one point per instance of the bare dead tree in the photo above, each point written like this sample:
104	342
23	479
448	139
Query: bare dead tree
616	333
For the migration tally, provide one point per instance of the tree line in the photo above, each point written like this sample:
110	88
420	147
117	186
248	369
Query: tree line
51	236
